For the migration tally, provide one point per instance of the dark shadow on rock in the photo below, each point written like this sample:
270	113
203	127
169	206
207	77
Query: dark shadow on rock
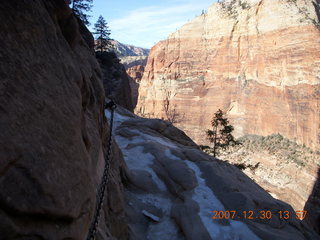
316	7
134	91
115	79
312	206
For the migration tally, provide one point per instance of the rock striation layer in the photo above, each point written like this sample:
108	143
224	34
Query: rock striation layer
259	61
134	66
123	50
52	127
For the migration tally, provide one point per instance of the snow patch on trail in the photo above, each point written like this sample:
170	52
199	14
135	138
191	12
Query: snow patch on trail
208	202
163	141
137	159
166	228
117	118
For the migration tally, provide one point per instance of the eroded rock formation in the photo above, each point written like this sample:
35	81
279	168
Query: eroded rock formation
260	63
134	66
174	188
52	127
123	50
53	144
116	81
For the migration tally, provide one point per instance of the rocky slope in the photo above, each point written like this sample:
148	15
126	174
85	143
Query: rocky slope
52	128
123	50
258	60
173	189
286	170
260	63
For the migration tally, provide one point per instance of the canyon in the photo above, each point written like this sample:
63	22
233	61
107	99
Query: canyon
173	187
124	50
260	63
135	67
54	148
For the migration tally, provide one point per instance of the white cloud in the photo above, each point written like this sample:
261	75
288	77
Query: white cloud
146	26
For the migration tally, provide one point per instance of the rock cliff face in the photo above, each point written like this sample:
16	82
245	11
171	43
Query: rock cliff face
53	143
135	66
52	127
259	61
123	50
116	81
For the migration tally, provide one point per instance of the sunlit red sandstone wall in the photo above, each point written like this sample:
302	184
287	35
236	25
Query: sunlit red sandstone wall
263	67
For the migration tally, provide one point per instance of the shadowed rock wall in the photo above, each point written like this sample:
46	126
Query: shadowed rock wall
52	127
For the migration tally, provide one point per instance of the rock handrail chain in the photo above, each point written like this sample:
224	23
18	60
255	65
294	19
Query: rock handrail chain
103	184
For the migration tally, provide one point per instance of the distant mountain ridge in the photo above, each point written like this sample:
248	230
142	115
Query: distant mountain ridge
124	50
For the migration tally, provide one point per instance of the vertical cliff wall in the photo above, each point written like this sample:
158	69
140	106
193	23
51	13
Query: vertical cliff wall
115	80
258	61
134	66
52	127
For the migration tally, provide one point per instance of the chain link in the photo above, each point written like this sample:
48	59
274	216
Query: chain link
101	191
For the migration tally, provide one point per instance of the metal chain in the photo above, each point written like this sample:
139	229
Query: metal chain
101	192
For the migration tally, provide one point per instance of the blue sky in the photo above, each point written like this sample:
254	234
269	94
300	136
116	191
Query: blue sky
145	22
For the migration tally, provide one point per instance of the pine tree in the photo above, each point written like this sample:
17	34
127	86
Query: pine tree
102	31
80	7
221	133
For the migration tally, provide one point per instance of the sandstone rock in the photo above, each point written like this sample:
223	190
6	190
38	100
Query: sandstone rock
52	136
135	73
312	206
115	80
250	197
262	66
123	50
134	61
179	173
165	128
134	66
186	216
143	180
188	181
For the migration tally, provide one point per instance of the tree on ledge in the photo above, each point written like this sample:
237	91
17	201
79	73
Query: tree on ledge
80	7
102	32
220	135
